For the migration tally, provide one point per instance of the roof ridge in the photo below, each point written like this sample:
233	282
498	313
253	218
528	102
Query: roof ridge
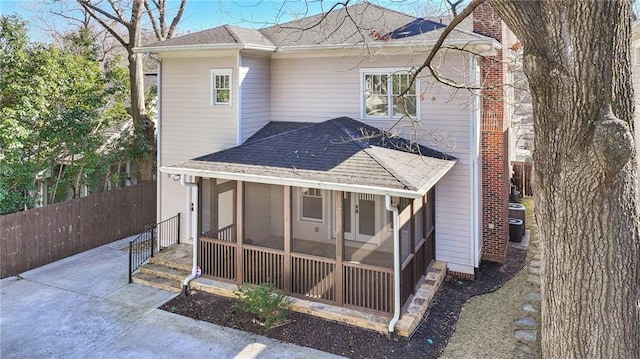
233	35
277	134
367	149
389	9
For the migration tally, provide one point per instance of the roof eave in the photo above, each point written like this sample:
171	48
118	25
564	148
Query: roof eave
282	181
201	47
479	43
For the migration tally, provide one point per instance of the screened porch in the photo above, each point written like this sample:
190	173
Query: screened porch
322	245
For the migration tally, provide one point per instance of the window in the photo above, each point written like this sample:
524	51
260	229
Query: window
637	55
311	204
381	90
221	87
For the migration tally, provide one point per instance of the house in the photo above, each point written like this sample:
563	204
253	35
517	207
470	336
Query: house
293	158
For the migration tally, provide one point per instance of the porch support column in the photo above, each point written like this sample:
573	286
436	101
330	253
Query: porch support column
239	230
287	239
339	198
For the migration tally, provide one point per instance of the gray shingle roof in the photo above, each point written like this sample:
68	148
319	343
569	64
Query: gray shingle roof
344	26
341	150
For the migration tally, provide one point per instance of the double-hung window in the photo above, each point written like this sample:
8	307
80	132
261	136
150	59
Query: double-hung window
381	89
221	87
312	207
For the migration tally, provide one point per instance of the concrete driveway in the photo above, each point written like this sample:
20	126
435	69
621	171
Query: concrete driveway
82	307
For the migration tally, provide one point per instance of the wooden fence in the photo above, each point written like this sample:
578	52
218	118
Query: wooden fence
39	236
522	172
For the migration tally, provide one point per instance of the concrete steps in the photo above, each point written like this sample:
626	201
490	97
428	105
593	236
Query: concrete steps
162	274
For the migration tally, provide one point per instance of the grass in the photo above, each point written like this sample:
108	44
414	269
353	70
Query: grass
487	322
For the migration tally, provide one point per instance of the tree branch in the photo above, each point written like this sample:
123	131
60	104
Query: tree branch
154	24
176	19
443	36
89	8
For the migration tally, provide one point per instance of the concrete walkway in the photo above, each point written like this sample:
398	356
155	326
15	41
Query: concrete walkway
82	307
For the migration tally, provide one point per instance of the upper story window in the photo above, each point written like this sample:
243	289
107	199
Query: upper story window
637	55
380	94
221	87
312	207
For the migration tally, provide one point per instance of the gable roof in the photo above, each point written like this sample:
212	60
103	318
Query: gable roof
363	23
338	154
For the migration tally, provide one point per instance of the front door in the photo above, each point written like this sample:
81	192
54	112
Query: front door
359	216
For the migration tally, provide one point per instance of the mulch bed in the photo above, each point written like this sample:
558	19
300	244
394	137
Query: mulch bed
428	341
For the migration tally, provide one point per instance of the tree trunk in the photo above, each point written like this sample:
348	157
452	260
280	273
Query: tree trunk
577	60
143	126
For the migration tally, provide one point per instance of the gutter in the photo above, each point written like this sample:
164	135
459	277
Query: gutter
396	265
192	206
334	186
159	49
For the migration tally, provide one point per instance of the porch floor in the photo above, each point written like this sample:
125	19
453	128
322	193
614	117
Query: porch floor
180	255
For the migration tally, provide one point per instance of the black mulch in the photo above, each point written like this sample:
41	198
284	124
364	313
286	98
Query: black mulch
428	341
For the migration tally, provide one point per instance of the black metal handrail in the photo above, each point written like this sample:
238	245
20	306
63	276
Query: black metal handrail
165	234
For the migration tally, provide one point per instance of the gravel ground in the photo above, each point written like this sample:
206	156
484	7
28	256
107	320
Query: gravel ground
428	341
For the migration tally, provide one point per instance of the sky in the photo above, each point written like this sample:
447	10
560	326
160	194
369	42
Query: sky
205	14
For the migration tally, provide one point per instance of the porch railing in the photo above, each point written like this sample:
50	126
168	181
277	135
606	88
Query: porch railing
143	247
217	258
368	287
313	277
364	286
262	265
227	233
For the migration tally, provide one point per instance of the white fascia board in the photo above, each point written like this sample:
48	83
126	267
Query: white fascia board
161	49
333	186
395	45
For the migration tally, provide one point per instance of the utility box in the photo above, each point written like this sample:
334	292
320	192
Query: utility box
517	210
515	229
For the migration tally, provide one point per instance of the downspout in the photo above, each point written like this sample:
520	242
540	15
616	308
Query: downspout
158	142
192	218
396	265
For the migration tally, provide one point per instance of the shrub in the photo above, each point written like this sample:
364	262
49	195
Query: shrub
265	301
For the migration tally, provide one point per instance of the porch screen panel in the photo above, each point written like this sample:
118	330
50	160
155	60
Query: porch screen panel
264	215
311	225
346	212
367	213
218	208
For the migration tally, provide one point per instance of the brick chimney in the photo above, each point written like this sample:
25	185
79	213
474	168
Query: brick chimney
495	141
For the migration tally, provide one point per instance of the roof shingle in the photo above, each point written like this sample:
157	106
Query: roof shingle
341	150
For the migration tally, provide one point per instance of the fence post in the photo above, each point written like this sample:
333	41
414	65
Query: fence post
130	259
178	227
152	238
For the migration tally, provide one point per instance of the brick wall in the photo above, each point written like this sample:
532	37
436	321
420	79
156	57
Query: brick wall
495	165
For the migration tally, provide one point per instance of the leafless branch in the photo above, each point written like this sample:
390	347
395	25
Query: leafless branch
443	36
90	9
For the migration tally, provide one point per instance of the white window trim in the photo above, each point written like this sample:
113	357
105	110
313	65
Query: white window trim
301	205
385	71
221	72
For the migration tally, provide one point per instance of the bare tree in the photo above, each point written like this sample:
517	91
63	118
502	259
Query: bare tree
124	21
585	171
585	177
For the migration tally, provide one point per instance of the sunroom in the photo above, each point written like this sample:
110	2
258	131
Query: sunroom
337	212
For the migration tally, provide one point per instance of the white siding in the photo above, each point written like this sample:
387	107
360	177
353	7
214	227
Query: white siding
256	95
453	219
318	89
191	126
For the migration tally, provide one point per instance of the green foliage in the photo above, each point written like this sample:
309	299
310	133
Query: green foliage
54	104
265	301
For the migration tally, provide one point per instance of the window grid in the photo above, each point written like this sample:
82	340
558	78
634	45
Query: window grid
381	95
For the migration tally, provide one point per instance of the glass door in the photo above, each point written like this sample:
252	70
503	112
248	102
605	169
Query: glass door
359	216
